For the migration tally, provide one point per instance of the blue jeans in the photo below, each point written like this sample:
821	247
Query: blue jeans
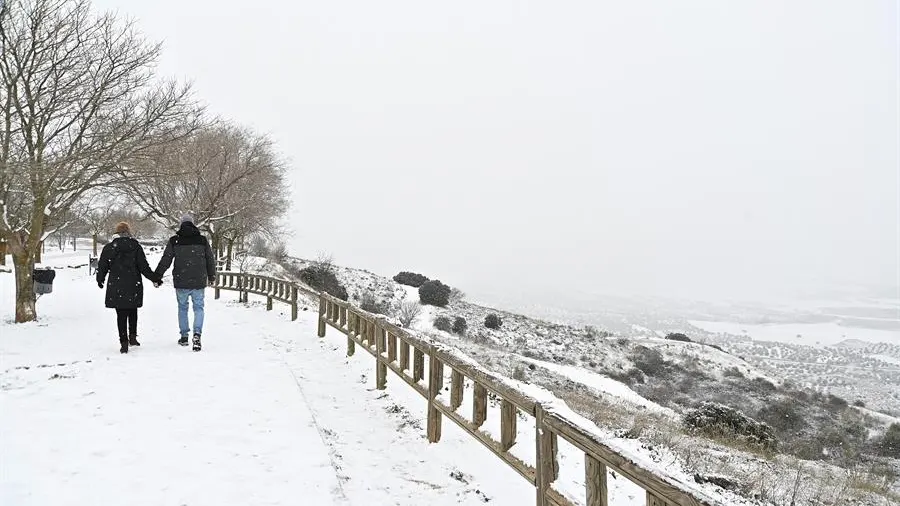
196	296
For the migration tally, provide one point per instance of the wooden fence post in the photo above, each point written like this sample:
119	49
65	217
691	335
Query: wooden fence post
507	425
321	315
352	324
391	347
240	286
456	389
546	463
479	405
380	367
343	311
595	480
435	383
404	355
294	302
218	283
418	365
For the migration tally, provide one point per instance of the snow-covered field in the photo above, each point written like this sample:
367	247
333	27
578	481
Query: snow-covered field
809	334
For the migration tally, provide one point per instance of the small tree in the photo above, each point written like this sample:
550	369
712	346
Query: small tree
493	321
409	311
460	326
443	323
678	336
412	279
434	293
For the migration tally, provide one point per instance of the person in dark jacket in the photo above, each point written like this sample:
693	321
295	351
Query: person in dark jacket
124	260
195	269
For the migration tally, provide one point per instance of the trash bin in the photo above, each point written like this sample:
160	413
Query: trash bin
43	280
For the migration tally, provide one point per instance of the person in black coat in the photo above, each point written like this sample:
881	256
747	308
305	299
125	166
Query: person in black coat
124	260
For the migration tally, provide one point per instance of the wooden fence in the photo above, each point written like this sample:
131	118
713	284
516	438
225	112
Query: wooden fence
405	354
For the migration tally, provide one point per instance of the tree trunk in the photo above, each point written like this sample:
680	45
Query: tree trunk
74	243
216	245
228	259
94	239
37	254
25	310
2	252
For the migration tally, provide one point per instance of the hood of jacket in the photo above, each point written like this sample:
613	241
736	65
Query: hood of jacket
124	242
188	229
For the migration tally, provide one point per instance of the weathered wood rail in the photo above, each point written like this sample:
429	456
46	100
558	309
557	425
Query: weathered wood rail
425	366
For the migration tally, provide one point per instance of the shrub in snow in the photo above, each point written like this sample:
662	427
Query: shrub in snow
733	372
368	302
762	386
434	293
460	325
409	311
783	414
410	279
443	323
324	280
678	336
889	444
718	420
649	361
456	296
836	403
493	321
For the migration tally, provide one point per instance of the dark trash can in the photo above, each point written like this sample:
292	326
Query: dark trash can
43	280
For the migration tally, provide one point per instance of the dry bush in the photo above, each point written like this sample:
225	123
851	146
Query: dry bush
409	311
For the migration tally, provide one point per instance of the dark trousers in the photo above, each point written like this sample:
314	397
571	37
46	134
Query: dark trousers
127	320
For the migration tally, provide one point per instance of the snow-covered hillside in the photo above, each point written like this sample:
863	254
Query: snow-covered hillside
609	377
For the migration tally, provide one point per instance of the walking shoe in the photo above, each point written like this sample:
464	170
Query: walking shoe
132	341
183	340
196	343
124	348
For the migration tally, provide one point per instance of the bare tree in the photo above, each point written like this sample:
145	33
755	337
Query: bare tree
228	177
457	296
79	106
409	311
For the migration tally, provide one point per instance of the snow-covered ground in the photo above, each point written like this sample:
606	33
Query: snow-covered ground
266	414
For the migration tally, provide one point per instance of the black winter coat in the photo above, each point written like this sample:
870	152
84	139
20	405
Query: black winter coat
123	259
195	264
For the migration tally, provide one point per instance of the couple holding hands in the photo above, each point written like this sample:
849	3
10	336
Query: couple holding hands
124	262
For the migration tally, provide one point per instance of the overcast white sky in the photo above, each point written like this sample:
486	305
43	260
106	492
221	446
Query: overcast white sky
675	148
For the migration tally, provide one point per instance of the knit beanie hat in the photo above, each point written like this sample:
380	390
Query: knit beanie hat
187	218
123	228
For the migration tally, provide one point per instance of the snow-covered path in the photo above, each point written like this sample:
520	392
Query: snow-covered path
266	414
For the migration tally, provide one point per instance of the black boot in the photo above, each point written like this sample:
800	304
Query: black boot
124	342
183	340
132	341
196	343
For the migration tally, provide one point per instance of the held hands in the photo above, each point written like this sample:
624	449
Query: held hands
100	283
158	283
211	282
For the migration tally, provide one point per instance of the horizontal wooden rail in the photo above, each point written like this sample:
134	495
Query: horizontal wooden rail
406	354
